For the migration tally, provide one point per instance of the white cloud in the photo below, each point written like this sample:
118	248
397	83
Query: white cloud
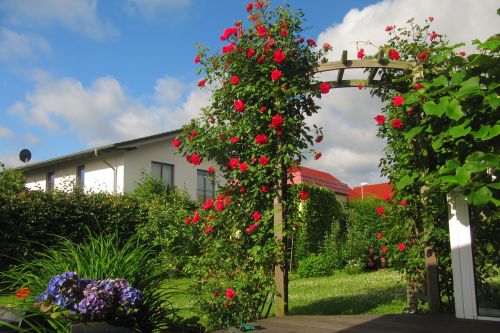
14	46
32	139
5	132
151	9
102	112
77	15
10	159
351	150
169	89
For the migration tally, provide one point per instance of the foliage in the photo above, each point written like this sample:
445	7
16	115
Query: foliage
165	229
312	219
11	180
315	265
149	187
262	91
30	216
440	131
99	257
354	266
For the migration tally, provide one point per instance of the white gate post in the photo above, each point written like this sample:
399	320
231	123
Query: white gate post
461	256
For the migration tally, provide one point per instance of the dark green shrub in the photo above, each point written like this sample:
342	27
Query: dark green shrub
315	265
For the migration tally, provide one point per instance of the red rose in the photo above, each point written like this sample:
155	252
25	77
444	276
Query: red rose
380	119
283	24
264	189
243	166
202	82
243	189
219	205
379	235
431	18
263	109
263	161
234	139
239	105
361	53
324	87
197	59
196	218
319	138
389	28
230	294
422	55
279	56
418	86
250	52
433	36
284	32
404	203
176	143
233	163
215	293
380	210
188	220
211	170
256	216
250	228
208	229
311	42
249	6
397	123
227	48
275	75
279	131
212	120
401	247
261	30
383	250
228	32
387	197
259	4
209	204
360	86
23	292
462	53
235	80
327	47
277	121
303	195
194	159
393	54
317	156
260	59
261	139
398	101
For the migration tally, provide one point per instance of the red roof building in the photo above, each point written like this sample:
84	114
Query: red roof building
320	178
379	191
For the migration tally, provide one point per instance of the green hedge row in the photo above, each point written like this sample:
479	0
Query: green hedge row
28	218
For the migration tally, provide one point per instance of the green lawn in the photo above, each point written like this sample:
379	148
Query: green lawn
375	292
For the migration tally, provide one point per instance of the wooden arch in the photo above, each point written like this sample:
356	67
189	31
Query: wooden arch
372	65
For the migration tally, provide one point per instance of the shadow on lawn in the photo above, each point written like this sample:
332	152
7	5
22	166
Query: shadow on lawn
352	304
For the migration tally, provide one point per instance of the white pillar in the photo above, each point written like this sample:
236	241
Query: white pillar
461	257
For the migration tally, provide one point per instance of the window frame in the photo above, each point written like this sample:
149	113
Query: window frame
50	181
206	179
80	178
172	166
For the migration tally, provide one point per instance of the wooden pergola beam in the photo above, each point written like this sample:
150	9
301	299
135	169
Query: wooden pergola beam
365	63
343	59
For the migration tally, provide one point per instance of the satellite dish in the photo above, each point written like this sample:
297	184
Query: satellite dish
25	155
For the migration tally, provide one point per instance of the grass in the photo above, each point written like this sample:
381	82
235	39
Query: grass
366	293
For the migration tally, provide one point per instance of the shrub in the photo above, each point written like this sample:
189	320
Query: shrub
99	257
315	265
354	266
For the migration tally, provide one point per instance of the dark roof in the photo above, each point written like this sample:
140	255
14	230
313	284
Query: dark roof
129	144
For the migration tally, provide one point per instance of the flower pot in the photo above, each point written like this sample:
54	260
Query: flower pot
114	326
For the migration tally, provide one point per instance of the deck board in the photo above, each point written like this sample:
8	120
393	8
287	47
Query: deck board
372	324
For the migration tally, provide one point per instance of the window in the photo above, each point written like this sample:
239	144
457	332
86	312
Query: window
50	182
80	176
163	171
205	188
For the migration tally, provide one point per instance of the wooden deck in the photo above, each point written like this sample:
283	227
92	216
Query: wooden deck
372	324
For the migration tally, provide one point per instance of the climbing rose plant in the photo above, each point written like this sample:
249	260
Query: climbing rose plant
262	89
440	130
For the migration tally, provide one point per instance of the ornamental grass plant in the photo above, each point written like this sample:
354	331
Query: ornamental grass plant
100	257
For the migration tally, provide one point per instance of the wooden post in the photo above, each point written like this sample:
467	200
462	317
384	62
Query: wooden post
280	268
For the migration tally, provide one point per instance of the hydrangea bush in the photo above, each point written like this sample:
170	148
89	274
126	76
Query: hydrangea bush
90	300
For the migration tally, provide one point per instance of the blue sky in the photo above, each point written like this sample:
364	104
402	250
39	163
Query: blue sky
80	73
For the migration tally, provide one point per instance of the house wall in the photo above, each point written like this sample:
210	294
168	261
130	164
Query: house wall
139	160
99	177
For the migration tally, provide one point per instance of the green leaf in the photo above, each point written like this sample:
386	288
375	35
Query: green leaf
481	133
493	132
454	110
457	78
405	181
459	131
469	87
412	98
437	143
413	132
493	100
481	196
462	176
433	109
495	186
438	82
491	44
449	166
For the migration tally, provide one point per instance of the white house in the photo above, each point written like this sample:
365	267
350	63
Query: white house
117	167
